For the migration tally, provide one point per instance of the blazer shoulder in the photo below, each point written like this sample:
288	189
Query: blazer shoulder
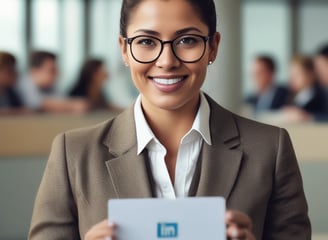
114	133
253	129
244	125
90	133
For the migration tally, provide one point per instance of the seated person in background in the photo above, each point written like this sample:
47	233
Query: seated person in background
305	92
89	84
38	88
321	67
268	95
9	99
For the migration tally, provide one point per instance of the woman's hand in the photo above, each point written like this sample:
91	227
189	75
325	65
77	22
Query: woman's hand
101	231
239	226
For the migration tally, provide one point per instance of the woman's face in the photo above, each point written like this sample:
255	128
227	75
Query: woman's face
8	76
100	76
167	83
299	78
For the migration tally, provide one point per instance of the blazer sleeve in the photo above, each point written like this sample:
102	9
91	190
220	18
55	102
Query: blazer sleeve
54	215
287	215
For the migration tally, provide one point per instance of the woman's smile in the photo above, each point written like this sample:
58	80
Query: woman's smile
168	83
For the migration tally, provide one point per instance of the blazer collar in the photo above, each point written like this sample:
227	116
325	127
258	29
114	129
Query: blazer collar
121	136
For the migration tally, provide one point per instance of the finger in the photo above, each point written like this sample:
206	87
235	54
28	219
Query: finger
238	218
101	231
234	232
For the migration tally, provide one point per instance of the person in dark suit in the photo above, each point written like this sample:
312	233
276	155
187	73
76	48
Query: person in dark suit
306	93
9	99
268	96
175	141
321	66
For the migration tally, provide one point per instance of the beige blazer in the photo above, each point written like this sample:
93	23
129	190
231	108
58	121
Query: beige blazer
250	164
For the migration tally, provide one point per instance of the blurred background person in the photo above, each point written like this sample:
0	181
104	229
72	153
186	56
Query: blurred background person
306	93
268	95
89	84
321	66
9	99
38	88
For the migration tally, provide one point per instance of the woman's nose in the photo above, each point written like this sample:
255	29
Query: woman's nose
167	59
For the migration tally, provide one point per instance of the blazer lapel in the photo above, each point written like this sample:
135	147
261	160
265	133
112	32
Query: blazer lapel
129	172
220	162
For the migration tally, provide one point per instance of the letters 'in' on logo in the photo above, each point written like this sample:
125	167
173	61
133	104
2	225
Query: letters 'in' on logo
167	230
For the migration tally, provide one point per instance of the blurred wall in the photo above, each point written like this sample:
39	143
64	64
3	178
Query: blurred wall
313	16
223	82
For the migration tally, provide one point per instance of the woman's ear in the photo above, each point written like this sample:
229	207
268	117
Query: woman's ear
124	53
214	46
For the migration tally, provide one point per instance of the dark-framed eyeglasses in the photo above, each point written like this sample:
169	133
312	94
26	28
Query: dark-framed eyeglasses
189	48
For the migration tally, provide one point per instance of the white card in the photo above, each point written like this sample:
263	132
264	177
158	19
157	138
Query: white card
166	219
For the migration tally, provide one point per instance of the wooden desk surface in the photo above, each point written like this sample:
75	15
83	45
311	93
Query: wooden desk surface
32	135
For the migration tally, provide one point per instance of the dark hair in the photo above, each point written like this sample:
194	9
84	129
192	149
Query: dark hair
85	77
205	9
268	61
304	62
37	58
323	51
7	59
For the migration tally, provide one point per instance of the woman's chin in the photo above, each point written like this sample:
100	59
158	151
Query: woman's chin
169	102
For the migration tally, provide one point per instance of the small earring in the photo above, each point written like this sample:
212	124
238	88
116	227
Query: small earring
126	64
210	62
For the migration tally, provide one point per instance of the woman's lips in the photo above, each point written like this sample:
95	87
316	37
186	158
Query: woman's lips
168	84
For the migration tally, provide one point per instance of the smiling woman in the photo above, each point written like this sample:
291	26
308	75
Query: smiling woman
175	141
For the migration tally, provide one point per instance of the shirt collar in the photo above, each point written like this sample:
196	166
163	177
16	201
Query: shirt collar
200	125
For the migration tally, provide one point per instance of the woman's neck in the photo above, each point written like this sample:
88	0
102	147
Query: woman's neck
169	126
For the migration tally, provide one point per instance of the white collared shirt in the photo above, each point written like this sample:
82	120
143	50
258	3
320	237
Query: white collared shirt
304	97
188	153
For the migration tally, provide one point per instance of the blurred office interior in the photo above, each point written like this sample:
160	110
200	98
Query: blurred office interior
77	29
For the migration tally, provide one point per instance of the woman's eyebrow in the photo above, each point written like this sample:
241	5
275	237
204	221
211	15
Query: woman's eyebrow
147	31
186	30
179	32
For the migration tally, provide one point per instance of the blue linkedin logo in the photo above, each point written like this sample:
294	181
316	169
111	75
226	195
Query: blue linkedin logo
167	230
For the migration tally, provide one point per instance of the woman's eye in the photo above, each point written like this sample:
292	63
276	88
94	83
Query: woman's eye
188	41
146	42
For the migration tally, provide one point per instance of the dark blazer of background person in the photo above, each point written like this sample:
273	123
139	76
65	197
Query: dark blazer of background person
276	101
252	165
317	104
11	98
323	116
8	77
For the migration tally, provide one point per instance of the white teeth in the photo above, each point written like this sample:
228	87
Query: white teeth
166	81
